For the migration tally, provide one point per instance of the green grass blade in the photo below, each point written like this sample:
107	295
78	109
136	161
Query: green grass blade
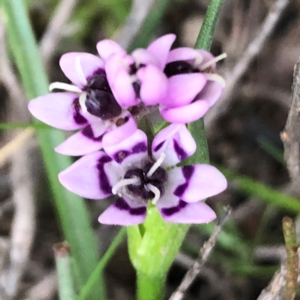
84	293
71	209
263	192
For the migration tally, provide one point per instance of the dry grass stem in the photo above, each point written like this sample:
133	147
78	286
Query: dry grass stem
44	289
253	49
291	134
204	253
55	28
14	145
139	11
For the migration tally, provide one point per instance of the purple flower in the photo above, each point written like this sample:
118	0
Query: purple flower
193	87
139	76
88	104
127	170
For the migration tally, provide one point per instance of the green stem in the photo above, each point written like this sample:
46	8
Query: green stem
72	211
64	274
206	33
150	287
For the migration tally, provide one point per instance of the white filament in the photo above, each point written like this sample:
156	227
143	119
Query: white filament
79	71
124	182
156	165
212	61
65	87
215	77
156	192
82	99
198	60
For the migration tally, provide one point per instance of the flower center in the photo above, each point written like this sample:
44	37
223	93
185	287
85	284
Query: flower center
99	100
146	182
148	186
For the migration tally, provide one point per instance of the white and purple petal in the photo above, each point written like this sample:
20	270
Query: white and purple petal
118	133
81	143
160	48
183	88
185	114
79	66
176	142
92	176
154	84
123	213
183	53
123	89
211	93
144	57
200	182
188	213
60	110
131	150
106	48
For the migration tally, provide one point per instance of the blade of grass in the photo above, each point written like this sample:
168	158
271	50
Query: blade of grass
263	192
71	209
86	289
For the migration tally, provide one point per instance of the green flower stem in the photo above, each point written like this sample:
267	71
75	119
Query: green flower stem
71	209
153	254
154	245
64	274
150	287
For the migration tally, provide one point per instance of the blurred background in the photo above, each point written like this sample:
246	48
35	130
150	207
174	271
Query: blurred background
243	133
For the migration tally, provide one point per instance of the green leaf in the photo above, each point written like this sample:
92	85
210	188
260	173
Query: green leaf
85	291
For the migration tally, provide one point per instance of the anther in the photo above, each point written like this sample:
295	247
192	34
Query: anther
79	70
156	165
155	191
65	87
125	182
212	61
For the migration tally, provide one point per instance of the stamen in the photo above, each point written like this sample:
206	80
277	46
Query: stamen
212	61
215	77
156	165
155	191
198	61
125	182
65	87
79	70
82	99
133	78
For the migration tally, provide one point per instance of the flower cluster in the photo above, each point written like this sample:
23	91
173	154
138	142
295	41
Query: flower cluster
108	95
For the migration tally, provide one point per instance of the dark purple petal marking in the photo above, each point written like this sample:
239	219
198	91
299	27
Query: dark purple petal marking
88	132
187	172
174	209
78	117
179	67
138	148
135	211
181	154
158	146
104	183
